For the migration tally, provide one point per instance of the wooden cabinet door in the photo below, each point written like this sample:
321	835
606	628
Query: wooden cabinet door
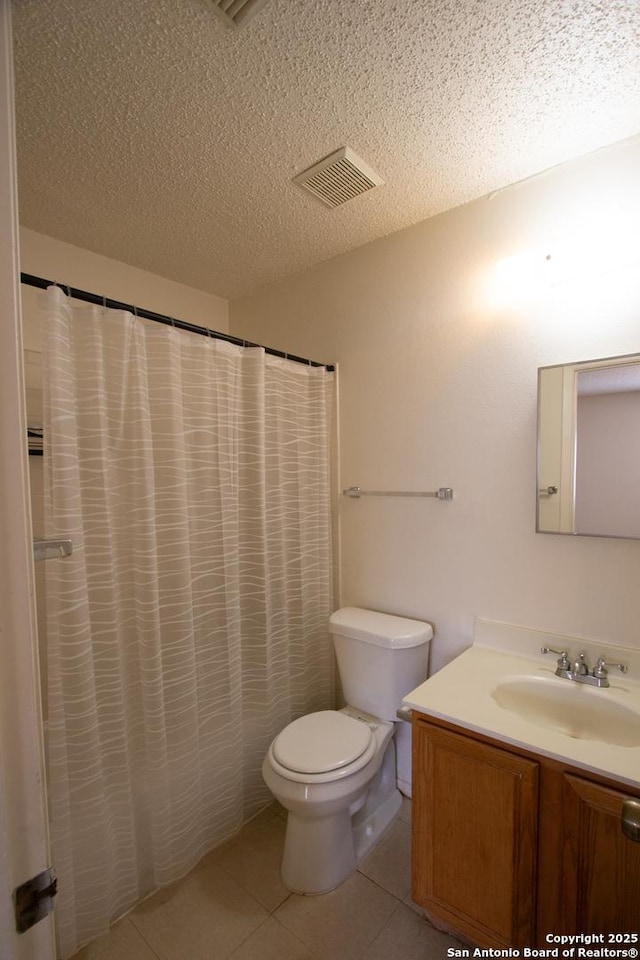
474	836
600	866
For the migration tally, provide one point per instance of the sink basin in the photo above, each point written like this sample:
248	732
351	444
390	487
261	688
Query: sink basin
573	709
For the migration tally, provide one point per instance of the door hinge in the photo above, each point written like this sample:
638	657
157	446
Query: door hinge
33	900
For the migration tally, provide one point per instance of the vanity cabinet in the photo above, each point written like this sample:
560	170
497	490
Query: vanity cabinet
474	836
508	846
599	889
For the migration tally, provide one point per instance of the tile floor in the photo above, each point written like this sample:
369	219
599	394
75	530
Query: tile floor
233	906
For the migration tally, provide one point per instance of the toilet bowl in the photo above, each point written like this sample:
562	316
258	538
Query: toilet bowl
337	812
335	771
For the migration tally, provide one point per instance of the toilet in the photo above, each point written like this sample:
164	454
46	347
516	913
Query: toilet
336	771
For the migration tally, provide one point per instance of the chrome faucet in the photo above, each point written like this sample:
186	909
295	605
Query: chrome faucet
579	670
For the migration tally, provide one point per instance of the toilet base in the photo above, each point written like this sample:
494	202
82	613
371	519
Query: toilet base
368	832
319	855
321	852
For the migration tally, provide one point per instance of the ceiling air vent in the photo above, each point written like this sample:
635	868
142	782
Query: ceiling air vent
338	178
236	12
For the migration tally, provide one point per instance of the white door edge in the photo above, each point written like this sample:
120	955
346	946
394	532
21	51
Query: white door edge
23	821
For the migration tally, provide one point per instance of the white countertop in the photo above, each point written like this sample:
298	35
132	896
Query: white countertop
461	693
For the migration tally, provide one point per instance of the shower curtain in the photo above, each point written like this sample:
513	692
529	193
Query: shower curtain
190	623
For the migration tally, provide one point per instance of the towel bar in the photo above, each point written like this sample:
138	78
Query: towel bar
442	493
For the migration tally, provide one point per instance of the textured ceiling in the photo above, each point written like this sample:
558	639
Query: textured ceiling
151	132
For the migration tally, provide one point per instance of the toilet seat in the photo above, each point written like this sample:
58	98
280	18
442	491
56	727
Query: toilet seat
323	746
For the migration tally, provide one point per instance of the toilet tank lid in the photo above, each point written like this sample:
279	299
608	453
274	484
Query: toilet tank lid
381	629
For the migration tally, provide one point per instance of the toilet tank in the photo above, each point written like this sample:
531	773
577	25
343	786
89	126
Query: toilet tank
380	658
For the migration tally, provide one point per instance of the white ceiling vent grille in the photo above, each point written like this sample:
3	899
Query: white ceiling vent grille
338	178
236	12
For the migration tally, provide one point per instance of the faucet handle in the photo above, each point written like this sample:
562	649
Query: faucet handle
563	662
600	670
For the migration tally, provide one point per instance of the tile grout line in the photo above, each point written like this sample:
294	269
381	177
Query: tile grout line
142	936
248	936
379	885
384	926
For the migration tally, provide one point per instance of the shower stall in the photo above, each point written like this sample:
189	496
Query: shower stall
188	624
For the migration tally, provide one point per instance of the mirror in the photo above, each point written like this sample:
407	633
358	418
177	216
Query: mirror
589	448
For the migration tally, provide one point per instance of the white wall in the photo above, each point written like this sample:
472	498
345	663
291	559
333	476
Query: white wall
437	373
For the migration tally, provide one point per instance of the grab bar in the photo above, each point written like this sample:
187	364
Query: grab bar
443	493
51	549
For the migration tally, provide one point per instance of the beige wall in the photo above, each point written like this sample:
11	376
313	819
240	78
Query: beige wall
71	266
53	260
608	463
61	262
65	264
438	387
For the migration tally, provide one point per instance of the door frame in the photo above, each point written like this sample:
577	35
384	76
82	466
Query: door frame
24	847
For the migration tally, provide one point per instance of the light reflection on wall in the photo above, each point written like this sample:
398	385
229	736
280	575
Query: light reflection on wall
592	260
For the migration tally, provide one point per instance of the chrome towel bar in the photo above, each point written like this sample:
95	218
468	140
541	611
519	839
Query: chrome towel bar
443	493
51	549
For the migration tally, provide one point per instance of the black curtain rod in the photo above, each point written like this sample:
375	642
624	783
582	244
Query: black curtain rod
42	284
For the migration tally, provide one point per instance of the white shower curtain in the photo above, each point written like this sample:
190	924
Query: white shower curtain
190	623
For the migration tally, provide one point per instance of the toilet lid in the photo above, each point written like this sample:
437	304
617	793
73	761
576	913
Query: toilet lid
320	742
